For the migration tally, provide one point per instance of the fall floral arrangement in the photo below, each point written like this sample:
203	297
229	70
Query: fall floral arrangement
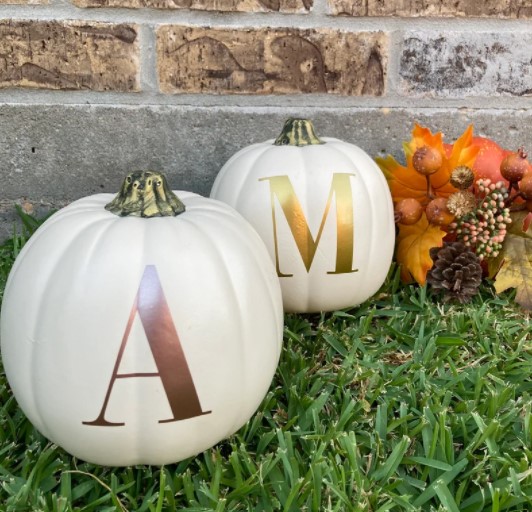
463	213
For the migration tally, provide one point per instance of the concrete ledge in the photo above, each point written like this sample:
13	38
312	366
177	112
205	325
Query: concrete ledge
53	154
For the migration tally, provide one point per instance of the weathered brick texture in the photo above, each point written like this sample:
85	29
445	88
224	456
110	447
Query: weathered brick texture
69	55
459	64
277	61
206	5
408	8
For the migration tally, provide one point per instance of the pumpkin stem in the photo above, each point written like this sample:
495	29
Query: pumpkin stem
145	194
297	132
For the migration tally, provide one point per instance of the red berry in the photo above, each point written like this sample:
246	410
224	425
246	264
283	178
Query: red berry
438	213
525	186
427	160
408	211
514	166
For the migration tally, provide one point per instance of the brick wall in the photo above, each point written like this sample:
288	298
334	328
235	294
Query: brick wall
90	89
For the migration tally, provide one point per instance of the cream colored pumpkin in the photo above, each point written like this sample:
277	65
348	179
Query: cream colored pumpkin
324	210
133	340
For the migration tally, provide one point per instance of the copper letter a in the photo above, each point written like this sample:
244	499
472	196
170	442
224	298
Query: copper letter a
168	354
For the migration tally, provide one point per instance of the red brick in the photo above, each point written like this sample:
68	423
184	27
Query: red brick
69	55
448	8
206	5
276	61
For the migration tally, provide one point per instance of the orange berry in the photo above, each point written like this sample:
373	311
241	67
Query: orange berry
525	186
427	160
408	211
438	213
514	166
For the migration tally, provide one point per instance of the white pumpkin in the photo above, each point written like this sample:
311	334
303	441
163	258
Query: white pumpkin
324	210
132	340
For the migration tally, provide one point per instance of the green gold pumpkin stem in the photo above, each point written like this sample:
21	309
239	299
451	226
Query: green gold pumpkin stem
297	132
145	194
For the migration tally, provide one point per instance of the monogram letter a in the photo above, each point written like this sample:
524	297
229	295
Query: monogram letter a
154	313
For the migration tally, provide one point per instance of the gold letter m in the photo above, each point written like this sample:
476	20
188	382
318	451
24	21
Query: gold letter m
282	189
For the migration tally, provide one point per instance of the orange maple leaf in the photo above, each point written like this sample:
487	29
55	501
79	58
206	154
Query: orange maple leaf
414	242
413	249
405	181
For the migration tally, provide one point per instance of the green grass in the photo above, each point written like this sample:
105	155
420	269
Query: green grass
402	404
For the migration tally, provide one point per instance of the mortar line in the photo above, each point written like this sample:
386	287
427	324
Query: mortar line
149	97
394	59
64	11
320	8
262	109
148	60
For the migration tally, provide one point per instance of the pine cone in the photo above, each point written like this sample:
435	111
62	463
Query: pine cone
456	271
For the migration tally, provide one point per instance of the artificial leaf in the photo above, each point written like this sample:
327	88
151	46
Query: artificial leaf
405	182
415	241
513	266
413	249
463	152
527	221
